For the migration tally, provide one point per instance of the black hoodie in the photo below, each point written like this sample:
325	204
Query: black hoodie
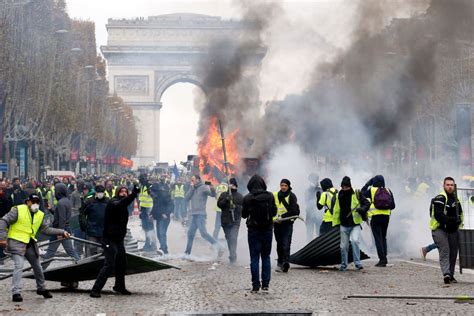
259	205
116	216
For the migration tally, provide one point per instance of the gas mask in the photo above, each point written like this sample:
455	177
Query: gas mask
34	208
100	195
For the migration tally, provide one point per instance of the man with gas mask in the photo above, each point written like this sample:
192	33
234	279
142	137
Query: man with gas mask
93	216
18	230
115	229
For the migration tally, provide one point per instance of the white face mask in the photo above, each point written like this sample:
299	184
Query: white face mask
100	195
34	208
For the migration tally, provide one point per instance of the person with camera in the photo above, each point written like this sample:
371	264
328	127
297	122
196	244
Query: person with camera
115	229
197	195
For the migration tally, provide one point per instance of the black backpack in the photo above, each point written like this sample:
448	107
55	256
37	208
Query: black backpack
260	213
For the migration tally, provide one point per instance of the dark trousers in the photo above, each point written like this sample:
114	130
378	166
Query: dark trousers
283	235
115	262
379	225
260	246
162	231
231	232
325	227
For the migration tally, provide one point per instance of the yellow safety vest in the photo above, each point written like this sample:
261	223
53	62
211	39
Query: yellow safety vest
221	188
179	191
25	228
145	199
434	224
281	209
372	209
336	217
113	193
325	201
51	196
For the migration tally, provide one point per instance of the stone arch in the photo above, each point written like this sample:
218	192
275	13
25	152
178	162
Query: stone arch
167	80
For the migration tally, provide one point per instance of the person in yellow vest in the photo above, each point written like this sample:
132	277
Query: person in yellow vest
220	188
326	203
381	205
18	230
350	210
145	204
179	191
109	189
446	219
287	206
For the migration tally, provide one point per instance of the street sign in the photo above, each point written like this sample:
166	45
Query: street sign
3	167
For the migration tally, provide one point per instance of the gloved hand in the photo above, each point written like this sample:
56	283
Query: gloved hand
136	189
362	213
318	196
458	222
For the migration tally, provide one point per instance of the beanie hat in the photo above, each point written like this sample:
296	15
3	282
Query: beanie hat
346	182
286	181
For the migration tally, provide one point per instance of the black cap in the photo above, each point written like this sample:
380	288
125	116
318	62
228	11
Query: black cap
99	188
346	182
34	198
233	181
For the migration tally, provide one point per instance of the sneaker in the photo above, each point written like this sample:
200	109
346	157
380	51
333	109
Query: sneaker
255	289
94	294
123	291
381	264
423	253
453	280
285	267
359	268
447	279
265	288
45	293
160	252
342	268
17	298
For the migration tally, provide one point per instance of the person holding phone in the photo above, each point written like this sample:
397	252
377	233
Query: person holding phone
197	195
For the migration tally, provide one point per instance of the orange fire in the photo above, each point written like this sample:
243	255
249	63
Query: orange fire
211	155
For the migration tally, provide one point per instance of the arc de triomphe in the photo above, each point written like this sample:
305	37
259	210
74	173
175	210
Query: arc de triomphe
146	56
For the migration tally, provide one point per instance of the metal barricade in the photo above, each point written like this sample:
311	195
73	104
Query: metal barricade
466	235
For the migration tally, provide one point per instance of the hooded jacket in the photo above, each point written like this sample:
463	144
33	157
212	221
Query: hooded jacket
94	214
162	202
258	196
224	204
116	216
62	210
197	195
377	182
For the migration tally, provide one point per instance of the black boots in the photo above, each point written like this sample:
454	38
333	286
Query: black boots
45	293
17	298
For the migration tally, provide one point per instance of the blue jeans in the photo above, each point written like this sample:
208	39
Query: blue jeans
161	231
217	226
148	228
431	247
179	208
79	246
352	234
260	246
197	222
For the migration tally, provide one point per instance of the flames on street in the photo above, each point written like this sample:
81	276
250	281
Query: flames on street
211	155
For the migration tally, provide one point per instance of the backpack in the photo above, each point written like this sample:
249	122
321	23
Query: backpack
333	201
260	213
383	199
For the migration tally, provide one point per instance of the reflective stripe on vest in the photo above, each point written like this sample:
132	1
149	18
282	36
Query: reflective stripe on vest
221	188
145	199
336	218
372	209
25	228
281	209
434	224
179	191
325	201
113	193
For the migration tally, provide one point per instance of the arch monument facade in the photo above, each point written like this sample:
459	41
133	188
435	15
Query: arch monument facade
146	56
